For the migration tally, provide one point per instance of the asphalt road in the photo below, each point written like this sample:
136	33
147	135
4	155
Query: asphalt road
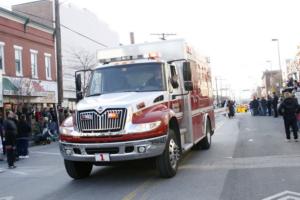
248	160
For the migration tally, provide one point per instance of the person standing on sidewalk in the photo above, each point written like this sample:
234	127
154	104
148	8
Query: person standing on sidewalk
263	103
24	131
274	104
269	105
10	132
288	109
2	136
255	105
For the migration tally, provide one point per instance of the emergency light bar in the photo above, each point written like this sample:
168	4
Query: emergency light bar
151	55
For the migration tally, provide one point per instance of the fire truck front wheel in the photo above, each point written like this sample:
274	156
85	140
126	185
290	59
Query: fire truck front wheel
167	162
78	170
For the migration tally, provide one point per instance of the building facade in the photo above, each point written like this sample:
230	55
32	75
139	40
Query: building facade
293	66
27	61
270	82
82	34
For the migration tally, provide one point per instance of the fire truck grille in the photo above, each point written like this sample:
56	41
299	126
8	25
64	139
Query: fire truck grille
90	121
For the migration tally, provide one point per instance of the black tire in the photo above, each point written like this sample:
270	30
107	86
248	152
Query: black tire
167	162
206	141
78	170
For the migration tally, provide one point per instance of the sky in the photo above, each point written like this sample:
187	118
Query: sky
235	34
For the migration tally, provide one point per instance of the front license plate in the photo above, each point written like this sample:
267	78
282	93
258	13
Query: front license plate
102	157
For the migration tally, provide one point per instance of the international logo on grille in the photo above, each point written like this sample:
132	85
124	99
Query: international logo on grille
86	117
100	109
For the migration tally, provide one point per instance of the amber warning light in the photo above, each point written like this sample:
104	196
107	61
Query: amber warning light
113	116
151	55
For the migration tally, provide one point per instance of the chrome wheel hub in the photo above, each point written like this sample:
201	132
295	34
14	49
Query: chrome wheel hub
174	153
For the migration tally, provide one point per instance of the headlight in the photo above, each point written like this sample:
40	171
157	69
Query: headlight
67	127
66	130
68	122
139	128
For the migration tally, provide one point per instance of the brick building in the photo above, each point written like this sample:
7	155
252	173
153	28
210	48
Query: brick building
27	60
75	47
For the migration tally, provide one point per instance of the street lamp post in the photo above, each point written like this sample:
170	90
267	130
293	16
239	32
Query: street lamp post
278	49
218	103
271	76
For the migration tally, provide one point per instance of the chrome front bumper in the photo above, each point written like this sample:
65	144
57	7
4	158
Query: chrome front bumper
120	151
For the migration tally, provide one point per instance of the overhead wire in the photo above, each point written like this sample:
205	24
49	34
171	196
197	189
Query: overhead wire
66	27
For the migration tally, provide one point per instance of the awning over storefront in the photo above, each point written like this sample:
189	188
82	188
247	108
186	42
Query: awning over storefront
38	89
35	91
8	87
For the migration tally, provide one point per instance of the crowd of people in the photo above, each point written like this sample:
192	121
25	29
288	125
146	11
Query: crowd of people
19	127
287	106
264	106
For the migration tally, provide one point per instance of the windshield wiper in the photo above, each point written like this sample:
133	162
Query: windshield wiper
95	94
131	91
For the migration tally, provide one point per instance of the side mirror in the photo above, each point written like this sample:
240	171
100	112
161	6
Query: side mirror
188	85
174	82
79	95
187	74
78	82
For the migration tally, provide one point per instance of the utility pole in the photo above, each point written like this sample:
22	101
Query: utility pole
163	35
279	60
132	38
58	54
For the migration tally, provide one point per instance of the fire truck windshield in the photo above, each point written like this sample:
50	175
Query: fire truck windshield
127	78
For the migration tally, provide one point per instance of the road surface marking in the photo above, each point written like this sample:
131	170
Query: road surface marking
286	195
139	189
219	125
250	140
246	163
18	172
7	198
45	153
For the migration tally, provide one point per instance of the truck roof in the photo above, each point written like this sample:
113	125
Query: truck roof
168	49
114	64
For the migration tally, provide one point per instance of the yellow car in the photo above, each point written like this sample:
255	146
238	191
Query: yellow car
242	108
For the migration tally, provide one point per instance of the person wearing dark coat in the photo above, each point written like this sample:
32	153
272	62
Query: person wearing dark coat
288	109
269	105
2	136
24	130
290	82
274	104
230	106
255	106
263	102
10	131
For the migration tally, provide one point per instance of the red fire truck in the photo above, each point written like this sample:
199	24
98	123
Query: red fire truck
142	101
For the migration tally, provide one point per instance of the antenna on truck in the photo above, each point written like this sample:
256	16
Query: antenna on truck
163	35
